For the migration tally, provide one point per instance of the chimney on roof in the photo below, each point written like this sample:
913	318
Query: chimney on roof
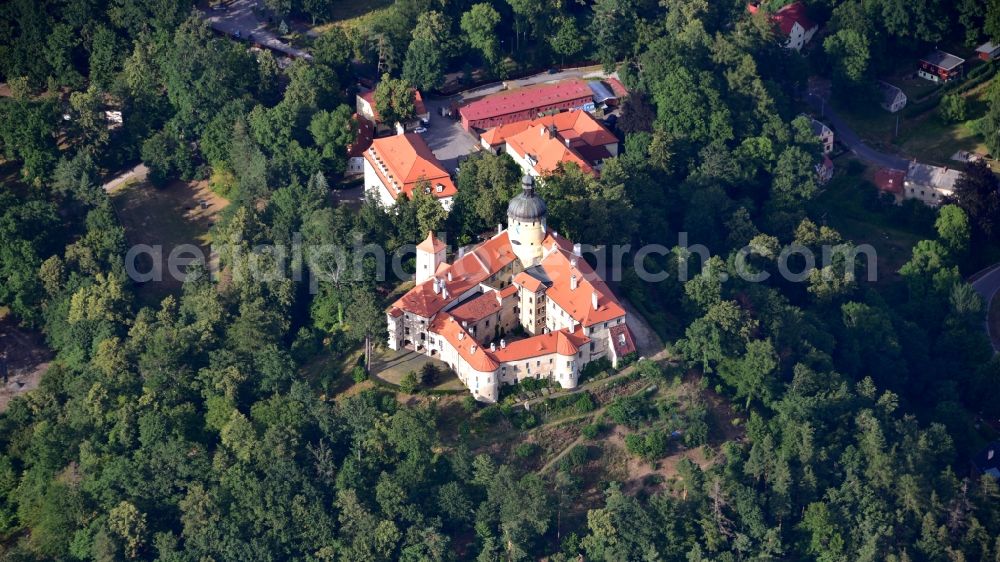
461	336
572	262
449	276
499	229
493	347
545	330
474	348
444	292
593	299
577	250
503	343
573	282
567	142
461	252
437	286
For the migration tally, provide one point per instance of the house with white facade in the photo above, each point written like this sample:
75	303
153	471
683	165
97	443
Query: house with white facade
929	184
402	163
526	279
893	98
792	22
823	133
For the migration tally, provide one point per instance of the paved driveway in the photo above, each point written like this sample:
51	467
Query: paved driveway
987	286
850	139
446	137
240	16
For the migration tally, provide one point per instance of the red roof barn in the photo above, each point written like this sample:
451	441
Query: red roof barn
525	103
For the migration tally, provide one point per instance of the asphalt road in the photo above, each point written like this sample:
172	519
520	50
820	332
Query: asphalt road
240	16
850	139
987	286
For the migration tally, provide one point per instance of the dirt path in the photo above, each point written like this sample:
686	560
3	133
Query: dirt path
592	415
136	174
27	360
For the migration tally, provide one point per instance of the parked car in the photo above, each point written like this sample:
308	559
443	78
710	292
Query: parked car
421	130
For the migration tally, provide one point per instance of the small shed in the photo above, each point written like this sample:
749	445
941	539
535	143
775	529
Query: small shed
988	51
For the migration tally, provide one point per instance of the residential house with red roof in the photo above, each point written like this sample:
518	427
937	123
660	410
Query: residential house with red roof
365	107
890	181
524	277
401	163
792	21
540	145
526	103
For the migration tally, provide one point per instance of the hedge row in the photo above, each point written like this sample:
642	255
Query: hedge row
977	76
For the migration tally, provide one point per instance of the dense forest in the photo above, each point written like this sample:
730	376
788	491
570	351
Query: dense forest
186	431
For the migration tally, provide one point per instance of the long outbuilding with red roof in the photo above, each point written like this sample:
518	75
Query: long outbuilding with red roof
525	103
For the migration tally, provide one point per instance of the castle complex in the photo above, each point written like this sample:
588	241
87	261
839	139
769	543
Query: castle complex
525	280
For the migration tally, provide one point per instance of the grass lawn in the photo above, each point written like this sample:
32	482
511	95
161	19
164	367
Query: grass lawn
924	137
166	217
841	206
352	14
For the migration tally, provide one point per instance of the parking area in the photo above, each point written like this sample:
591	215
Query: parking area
446	137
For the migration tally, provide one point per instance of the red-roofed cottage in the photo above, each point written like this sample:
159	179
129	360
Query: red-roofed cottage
525	276
793	22
890	181
526	103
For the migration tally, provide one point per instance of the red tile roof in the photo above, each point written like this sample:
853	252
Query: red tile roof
431	244
466	272
575	125
408	160
617	87
558	267
621	339
547	150
889	180
525	280
477	308
788	16
560	341
478	358
522	99
498	135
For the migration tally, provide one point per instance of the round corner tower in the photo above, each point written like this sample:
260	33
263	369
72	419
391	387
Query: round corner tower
526	214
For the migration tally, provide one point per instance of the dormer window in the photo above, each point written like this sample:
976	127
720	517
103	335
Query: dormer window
439	188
